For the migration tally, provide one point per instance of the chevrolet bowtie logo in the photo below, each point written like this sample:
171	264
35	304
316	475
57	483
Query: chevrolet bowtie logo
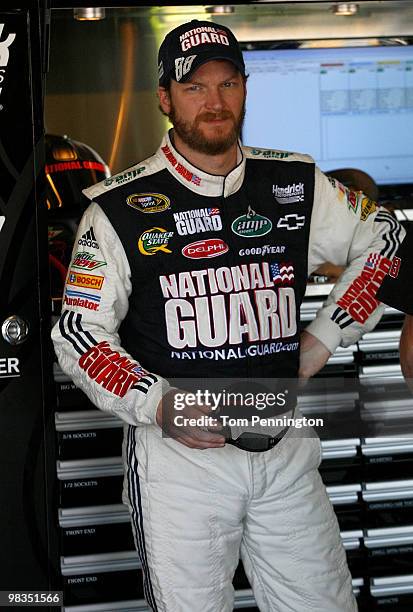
291	222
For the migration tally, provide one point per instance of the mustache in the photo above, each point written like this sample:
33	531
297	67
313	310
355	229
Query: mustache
208	116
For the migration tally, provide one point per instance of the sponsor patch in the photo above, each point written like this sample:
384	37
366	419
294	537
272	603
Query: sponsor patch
395	267
290	194
251	225
282	273
73	293
180	168
153	240
360	298
125	177
367	207
204	249
86	261
270	154
77	298
352	200
291	222
114	372
90	281
342	191
88	239
198	221
148	202
266	249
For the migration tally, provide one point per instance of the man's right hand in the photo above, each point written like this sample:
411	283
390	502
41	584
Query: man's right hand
192	436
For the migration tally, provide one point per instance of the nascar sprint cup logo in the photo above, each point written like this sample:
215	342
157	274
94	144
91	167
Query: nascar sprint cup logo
148	202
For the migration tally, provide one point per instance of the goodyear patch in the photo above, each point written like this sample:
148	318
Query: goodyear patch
153	240
148	202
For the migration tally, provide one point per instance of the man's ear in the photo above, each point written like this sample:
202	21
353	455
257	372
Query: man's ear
164	100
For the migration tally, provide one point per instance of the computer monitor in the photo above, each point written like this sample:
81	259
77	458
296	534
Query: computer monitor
346	107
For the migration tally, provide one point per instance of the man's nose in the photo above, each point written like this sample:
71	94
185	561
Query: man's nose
214	99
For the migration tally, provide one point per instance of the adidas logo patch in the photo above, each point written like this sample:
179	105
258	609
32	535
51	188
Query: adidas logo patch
88	239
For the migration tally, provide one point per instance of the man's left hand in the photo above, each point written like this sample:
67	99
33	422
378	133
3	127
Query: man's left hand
313	356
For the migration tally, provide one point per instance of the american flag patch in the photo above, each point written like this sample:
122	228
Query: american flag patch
282	274
213	211
138	370
372	260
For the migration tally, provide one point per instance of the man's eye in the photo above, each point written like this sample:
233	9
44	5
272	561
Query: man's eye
194	88
229	84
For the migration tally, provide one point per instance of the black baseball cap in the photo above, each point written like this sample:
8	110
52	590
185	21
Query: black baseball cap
192	44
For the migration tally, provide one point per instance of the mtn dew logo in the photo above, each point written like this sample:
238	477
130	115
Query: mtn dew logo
86	261
154	240
251	225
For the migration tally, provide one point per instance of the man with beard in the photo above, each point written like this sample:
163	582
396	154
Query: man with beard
198	260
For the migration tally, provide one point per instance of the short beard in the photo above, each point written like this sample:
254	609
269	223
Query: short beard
192	136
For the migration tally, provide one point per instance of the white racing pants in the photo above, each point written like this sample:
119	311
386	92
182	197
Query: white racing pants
195	511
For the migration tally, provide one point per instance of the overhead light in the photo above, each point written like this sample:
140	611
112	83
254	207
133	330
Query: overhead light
345	9
89	14
223	9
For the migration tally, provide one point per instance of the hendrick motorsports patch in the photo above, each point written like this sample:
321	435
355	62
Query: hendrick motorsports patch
153	240
148	202
251	225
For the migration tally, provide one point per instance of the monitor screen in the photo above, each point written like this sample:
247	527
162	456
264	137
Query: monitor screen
346	107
